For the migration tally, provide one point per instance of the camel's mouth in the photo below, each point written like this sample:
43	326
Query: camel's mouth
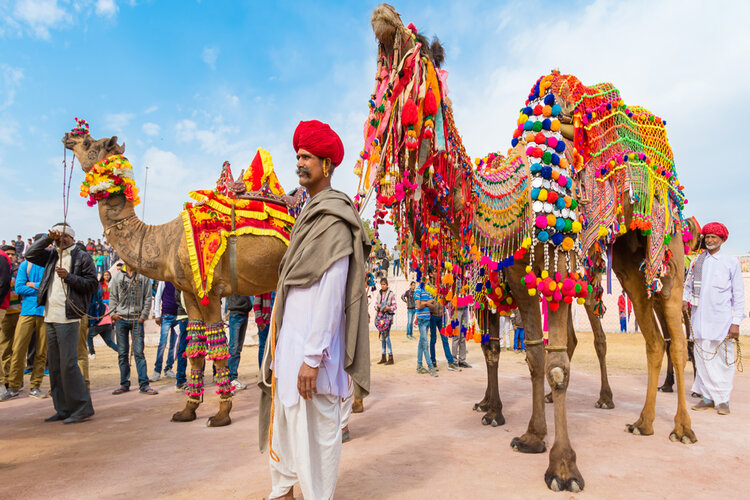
68	141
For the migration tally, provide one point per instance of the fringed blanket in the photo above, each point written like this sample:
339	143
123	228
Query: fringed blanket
219	214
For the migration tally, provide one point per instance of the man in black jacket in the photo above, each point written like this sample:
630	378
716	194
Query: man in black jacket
67	285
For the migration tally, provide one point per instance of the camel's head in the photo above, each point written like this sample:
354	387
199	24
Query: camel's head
386	23
694	242
89	150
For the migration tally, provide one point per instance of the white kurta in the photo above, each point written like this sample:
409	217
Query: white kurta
722	298
721	304
307	434
54	309
312	332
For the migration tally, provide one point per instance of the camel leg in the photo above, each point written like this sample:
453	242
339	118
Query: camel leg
196	354
634	283
218	352
494	407
532	441
672	308
605	401
669	378
572	344
562	473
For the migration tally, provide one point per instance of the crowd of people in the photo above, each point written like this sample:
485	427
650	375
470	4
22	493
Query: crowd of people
120	304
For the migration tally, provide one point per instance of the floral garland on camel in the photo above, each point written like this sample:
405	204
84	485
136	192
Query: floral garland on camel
110	176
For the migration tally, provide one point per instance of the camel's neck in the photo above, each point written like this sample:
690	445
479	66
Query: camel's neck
150	250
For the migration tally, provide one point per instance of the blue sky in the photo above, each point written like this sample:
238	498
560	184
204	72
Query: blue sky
188	85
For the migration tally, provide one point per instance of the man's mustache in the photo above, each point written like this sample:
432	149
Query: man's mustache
303	170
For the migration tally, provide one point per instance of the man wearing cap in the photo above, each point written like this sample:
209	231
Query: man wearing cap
715	295
65	291
319	328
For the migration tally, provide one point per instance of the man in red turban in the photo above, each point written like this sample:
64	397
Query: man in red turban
319	330
319	149
714	294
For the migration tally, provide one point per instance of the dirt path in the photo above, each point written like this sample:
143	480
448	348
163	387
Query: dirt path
418	438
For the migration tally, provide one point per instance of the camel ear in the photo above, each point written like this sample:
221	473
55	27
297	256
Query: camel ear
112	143
122	148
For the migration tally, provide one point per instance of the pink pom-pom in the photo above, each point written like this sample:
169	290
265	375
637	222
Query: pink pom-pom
541	221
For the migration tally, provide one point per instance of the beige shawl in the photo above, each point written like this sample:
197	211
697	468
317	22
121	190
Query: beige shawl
328	229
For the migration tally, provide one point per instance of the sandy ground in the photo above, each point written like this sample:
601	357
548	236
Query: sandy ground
417	438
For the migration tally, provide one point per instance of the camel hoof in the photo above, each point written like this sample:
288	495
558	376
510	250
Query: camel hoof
548	398
604	404
521	446
481	407
687	438
218	421
554	484
183	416
574	486
636	431
665	388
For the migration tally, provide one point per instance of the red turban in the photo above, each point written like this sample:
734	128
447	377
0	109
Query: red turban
716	228
319	139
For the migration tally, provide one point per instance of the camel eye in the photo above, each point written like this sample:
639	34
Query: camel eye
87	142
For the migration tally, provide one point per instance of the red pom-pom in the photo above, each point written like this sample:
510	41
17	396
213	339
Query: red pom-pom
409	114
205	301
430	103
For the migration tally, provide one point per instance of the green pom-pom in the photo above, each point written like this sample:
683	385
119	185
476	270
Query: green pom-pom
577	288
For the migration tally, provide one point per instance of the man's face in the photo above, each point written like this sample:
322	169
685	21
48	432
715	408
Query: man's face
413	286
12	255
66	240
19	237
713	242
309	169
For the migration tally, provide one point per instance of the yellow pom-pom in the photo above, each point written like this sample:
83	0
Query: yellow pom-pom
580	300
528	269
545	274
526	244
576	227
543	195
532	291
552	285
522	119
602	232
478	161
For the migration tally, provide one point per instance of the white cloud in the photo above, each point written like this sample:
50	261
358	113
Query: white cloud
118	121
151	109
106	8
40	15
150	128
209	56
10	79
213	139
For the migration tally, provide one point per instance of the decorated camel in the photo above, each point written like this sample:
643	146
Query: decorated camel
230	240
510	232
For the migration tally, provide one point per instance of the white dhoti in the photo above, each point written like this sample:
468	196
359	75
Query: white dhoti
346	406
307	440
714	376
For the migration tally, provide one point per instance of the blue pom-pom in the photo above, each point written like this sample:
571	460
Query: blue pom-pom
536	167
528	111
534	193
560	224
546	172
603	172
549	99
609	105
556	110
481	271
419	275
560	203
528	125
569	183
560	146
542	236
514	142
555	159
625	158
546	124
511	261
478	288
557	238
588	115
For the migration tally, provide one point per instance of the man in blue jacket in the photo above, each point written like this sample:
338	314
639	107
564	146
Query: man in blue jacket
31	321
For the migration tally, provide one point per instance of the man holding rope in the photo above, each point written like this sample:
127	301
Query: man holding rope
715	292
67	285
